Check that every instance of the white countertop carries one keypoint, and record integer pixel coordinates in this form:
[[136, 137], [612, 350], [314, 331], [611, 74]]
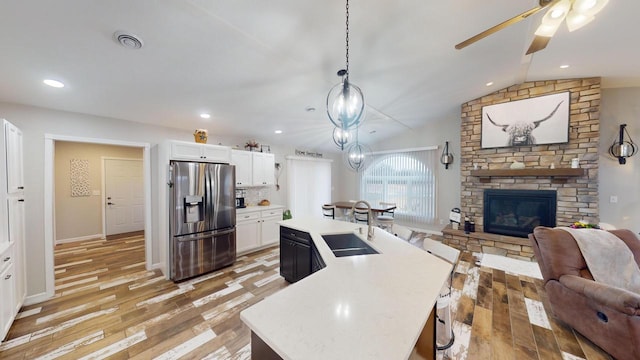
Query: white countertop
[[358, 307], [257, 208]]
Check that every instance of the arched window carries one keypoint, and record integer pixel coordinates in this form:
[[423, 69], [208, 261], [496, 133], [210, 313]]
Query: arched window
[[405, 178]]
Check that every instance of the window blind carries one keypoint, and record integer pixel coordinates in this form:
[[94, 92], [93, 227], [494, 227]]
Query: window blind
[[309, 185], [407, 178]]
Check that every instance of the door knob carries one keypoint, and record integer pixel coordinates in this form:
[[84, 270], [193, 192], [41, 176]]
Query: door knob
[[110, 203]]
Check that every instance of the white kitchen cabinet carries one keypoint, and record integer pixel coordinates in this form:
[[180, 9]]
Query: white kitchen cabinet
[[242, 161], [257, 228], [247, 231], [253, 168], [7, 291], [12, 225], [15, 177], [263, 169], [270, 230], [17, 239], [182, 150]]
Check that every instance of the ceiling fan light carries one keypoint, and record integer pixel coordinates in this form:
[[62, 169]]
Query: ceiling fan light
[[547, 30], [553, 18], [589, 7], [557, 13], [575, 21]]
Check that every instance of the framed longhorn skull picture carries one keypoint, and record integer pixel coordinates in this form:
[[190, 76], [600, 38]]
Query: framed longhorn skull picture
[[534, 121]]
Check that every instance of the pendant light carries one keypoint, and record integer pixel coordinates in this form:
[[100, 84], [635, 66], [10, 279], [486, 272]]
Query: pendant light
[[356, 155], [345, 102], [342, 137]]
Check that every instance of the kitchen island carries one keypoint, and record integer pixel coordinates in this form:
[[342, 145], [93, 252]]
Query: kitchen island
[[371, 306]]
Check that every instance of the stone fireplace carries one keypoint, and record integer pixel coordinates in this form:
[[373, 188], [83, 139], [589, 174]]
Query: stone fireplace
[[482, 169]]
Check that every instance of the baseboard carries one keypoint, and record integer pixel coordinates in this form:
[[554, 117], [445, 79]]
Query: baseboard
[[80, 238], [34, 299]]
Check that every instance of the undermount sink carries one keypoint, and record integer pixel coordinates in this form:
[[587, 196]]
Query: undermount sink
[[348, 244]]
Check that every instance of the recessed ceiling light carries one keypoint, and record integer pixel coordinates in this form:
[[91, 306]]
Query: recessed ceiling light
[[564, 66], [53, 83], [205, 116], [278, 131], [489, 83]]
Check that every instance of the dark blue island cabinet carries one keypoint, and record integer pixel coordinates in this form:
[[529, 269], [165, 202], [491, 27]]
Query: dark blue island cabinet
[[298, 255]]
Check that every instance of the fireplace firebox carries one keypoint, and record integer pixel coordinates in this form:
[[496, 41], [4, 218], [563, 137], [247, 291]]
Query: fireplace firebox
[[517, 212]]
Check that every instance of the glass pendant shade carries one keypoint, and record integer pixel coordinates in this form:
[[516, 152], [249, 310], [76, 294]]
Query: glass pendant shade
[[345, 105], [356, 156], [341, 137]]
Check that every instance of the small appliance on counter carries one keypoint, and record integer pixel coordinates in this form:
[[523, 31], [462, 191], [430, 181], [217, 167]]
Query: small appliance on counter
[[240, 195]]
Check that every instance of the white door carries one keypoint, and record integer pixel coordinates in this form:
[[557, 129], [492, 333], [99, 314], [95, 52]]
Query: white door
[[124, 208]]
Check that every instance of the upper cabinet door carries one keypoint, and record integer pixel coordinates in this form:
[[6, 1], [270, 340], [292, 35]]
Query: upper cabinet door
[[15, 176], [216, 153], [263, 169], [185, 151], [242, 161], [200, 152]]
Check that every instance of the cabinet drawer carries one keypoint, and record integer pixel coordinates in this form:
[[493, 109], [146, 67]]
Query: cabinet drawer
[[295, 235], [274, 212], [6, 257], [247, 216]]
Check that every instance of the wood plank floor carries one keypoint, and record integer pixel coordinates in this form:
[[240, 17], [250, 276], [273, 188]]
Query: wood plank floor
[[108, 306]]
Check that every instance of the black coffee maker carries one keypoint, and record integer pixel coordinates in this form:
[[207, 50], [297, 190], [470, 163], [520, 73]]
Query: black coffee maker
[[240, 193]]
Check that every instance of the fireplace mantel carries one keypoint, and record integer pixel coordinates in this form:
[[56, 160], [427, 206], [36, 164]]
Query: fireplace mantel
[[562, 173]]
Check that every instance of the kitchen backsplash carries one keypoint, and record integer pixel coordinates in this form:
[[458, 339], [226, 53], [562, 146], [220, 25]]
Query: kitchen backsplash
[[256, 194]]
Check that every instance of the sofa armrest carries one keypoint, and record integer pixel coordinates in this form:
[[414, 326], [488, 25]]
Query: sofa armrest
[[618, 299]]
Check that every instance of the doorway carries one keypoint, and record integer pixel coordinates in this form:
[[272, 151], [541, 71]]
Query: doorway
[[124, 196], [50, 201]]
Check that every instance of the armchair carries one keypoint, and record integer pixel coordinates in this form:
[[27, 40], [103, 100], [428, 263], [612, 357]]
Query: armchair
[[606, 315]]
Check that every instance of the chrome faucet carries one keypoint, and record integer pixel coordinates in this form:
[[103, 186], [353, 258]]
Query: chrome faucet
[[370, 217]]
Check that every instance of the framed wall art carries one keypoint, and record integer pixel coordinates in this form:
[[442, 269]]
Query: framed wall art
[[534, 121]]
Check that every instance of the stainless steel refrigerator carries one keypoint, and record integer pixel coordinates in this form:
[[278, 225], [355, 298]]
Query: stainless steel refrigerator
[[202, 218]]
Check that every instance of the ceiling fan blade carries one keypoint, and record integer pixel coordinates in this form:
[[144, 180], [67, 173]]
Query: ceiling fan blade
[[543, 4], [538, 43]]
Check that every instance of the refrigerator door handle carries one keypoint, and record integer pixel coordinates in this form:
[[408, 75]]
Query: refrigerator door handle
[[206, 235]]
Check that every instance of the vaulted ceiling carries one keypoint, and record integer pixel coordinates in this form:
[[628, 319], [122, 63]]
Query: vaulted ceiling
[[256, 66]]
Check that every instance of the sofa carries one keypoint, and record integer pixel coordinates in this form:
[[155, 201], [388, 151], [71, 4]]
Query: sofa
[[606, 315]]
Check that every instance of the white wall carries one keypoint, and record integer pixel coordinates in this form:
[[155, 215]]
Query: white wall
[[619, 106], [81, 217], [36, 122], [434, 134]]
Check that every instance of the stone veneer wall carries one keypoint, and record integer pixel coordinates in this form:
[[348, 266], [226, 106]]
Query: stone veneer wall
[[577, 196]]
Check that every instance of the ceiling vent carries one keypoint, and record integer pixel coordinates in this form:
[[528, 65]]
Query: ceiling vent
[[129, 41]]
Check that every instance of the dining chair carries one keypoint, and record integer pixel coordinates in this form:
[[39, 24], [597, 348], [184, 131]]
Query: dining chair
[[346, 213], [444, 333], [361, 216], [329, 211], [385, 219]]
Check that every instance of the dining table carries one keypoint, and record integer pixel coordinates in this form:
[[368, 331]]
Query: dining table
[[374, 208]]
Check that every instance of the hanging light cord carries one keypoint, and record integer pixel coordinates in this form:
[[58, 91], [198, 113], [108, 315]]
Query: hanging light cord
[[347, 41]]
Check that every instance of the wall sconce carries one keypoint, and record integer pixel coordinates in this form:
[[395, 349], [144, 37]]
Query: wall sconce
[[622, 149], [446, 158]]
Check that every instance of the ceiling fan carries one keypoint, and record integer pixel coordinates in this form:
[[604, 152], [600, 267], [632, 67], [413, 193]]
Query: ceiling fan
[[577, 13]]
